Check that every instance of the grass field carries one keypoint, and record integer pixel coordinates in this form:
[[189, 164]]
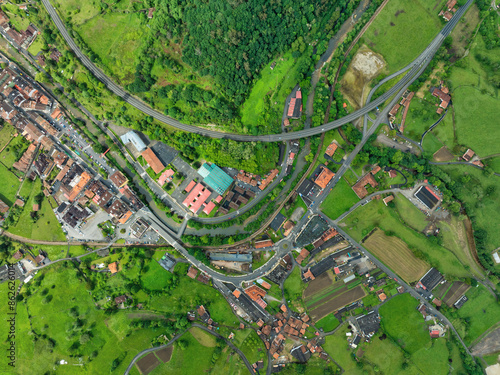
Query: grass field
[[156, 278], [421, 116], [111, 335], [402, 30], [340, 199], [395, 253], [195, 359], [6, 134], [9, 183], [328, 323], [203, 337], [375, 214], [78, 11], [36, 46], [410, 213], [475, 126], [269, 81], [47, 227], [115, 38], [401, 320], [477, 315], [486, 211]]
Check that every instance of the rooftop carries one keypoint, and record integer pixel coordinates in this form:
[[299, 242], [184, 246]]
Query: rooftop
[[152, 160], [215, 177]]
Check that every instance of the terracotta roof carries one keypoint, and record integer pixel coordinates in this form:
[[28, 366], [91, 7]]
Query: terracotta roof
[[263, 243], [125, 217], [118, 179], [359, 187], [237, 294], [388, 199], [375, 170], [153, 161], [330, 150], [192, 272], [324, 177], [113, 267], [254, 292]]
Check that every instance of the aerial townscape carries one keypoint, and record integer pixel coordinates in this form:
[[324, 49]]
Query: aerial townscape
[[250, 187]]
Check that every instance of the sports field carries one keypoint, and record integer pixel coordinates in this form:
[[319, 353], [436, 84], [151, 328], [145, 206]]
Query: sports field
[[402, 30], [395, 253], [340, 199]]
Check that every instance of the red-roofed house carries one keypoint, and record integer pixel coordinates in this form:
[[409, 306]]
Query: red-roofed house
[[166, 177], [190, 186], [153, 161], [209, 207]]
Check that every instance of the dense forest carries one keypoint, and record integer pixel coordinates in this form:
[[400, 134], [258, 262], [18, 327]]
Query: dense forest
[[232, 40]]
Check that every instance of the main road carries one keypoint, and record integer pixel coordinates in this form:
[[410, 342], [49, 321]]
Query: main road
[[116, 89]]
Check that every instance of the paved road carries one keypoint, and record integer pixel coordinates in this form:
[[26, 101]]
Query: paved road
[[113, 87], [391, 274], [176, 337]]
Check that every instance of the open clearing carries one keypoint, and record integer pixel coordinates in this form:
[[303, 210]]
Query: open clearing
[[202, 337], [481, 310], [340, 199], [365, 66], [402, 30], [395, 253], [316, 286], [115, 38], [443, 154], [401, 320]]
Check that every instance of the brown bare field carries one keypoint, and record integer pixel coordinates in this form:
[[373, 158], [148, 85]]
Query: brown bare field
[[455, 292], [147, 364], [328, 298], [318, 284], [165, 354], [441, 289], [333, 305], [395, 253], [443, 154]]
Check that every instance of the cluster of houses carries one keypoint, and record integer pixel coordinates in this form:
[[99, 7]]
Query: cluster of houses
[[72, 186], [470, 156], [405, 103], [443, 94], [25, 265], [294, 109], [449, 9], [23, 38]]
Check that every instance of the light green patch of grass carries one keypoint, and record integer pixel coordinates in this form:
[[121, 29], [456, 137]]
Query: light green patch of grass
[[46, 227], [76, 11], [485, 206], [410, 214], [401, 320], [337, 347], [431, 144], [340, 200], [421, 116], [494, 163], [476, 127], [9, 183], [36, 46], [115, 38], [416, 20], [328, 323], [6, 134], [477, 315], [294, 286], [195, 359], [156, 278]]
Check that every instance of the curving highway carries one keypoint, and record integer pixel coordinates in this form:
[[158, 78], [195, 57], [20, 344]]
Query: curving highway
[[426, 55]]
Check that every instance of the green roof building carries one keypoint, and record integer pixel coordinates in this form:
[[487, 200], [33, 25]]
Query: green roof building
[[215, 177]]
